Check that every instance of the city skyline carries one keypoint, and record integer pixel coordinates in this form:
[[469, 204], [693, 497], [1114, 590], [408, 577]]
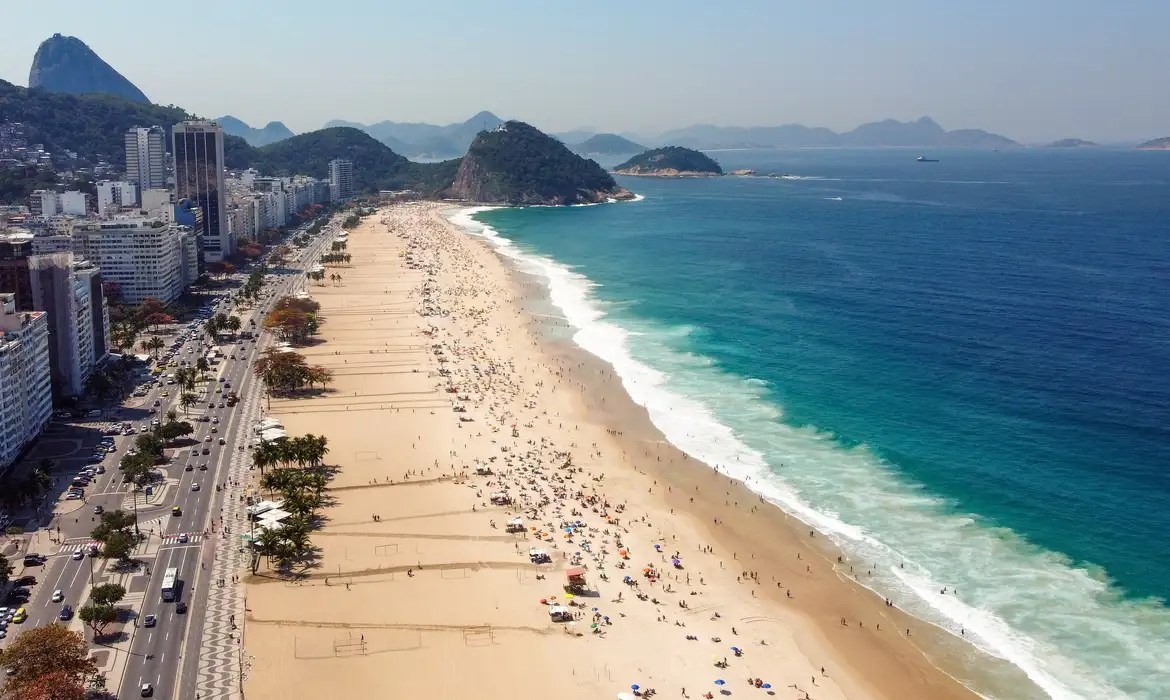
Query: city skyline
[[1033, 72]]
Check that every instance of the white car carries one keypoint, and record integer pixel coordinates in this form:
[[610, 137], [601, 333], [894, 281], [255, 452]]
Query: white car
[[58, 595], [77, 556], [195, 487]]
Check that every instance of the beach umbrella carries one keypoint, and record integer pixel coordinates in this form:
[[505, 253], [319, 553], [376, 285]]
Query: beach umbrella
[[735, 649], [720, 682], [766, 685], [635, 687], [594, 609]]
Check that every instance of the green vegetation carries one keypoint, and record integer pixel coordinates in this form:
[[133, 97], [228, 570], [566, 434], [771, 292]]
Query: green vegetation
[[100, 612], [519, 164], [117, 533], [5, 569], [669, 160], [93, 126], [302, 491], [293, 319], [285, 372]]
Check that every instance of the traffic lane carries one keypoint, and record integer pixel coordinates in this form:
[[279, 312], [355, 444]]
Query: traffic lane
[[48, 577], [155, 651]]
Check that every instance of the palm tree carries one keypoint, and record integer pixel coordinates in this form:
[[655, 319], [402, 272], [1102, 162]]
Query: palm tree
[[203, 366], [267, 543], [233, 324], [172, 415], [145, 345], [156, 344], [187, 401]]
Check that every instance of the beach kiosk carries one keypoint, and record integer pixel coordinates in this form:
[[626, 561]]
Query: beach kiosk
[[515, 525], [575, 579], [559, 613]]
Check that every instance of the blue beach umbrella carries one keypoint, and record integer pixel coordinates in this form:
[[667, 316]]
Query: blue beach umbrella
[[720, 682], [635, 687], [766, 685]]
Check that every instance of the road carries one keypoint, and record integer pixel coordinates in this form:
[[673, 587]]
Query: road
[[167, 652]]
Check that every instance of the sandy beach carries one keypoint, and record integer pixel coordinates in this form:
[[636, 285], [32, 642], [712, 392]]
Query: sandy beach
[[447, 397]]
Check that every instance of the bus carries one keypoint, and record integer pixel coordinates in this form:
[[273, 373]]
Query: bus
[[169, 583]]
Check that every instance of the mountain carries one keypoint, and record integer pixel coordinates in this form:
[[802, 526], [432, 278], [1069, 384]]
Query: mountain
[[375, 166], [1071, 143], [924, 132], [520, 165], [93, 125], [1162, 144], [575, 136], [607, 144], [418, 140], [271, 133], [65, 64], [670, 161]]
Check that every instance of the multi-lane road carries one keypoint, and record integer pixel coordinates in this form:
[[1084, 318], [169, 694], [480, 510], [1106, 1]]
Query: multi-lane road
[[166, 655]]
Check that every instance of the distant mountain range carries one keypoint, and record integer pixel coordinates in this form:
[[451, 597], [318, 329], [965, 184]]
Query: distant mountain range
[[271, 133], [922, 133], [66, 64], [1072, 143], [429, 141], [1162, 144], [606, 145]]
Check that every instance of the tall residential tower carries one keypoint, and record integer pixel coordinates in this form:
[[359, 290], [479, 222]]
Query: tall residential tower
[[199, 180], [340, 180], [146, 154]]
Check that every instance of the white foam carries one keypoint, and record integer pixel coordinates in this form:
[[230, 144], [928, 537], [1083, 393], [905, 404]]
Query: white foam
[[855, 481]]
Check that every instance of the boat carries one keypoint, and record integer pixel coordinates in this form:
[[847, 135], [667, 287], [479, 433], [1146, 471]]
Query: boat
[[924, 159]]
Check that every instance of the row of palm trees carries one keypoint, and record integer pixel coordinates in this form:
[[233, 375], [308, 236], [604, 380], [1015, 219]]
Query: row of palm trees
[[304, 451], [18, 492], [301, 490], [152, 345]]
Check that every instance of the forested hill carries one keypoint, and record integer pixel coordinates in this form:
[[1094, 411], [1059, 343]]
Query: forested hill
[[670, 161]]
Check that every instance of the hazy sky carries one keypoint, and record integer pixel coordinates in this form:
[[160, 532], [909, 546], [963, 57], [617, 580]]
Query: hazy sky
[[1029, 69]]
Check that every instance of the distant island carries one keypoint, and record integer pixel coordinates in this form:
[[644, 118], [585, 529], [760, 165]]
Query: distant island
[[670, 161], [518, 164], [607, 145], [1071, 143], [1162, 144]]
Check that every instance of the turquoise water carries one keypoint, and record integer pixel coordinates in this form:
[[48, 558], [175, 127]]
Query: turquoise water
[[959, 370]]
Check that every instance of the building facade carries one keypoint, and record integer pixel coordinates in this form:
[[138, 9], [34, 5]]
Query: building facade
[[26, 399], [146, 157], [199, 179], [141, 256], [340, 179], [113, 195], [63, 288]]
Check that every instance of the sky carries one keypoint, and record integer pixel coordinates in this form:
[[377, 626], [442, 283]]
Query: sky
[[1031, 70]]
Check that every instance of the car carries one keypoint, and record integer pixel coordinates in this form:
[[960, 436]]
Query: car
[[206, 451], [181, 607], [25, 581], [20, 616], [188, 467], [184, 538], [203, 467], [221, 404], [98, 510], [77, 555], [221, 380], [207, 439], [58, 596], [101, 469], [149, 621], [222, 441], [158, 402], [195, 486], [214, 429], [166, 394], [143, 428], [146, 690], [215, 419], [195, 453], [66, 613], [33, 560]]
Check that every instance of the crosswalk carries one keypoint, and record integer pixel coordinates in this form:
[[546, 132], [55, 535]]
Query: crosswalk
[[178, 538], [76, 545]]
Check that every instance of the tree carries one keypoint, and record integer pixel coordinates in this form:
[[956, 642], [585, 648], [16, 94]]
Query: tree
[[266, 543], [203, 366], [98, 616], [107, 594], [47, 657], [156, 343], [5, 570], [119, 545], [187, 400], [233, 324]]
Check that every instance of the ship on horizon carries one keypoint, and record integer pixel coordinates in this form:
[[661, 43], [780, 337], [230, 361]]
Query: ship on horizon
[[924, 159]]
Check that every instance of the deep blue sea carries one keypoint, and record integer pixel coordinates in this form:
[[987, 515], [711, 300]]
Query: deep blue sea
[[958, 370]]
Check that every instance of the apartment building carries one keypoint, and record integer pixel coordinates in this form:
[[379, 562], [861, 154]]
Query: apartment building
[[146, 153], [142, 256], [340, 179], [26, 400], [112, 196]]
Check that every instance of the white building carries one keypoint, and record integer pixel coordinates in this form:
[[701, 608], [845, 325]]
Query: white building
[[75, 203], [188, 256], [340, 179], [146, 153], [26, 398], [113, 195], [142, 256], [45, 203]]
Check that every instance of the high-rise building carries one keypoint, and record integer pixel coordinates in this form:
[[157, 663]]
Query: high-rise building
[[340, 179], [146, 157], [63, 288], [141, 256], [26, 398], [199, 179]]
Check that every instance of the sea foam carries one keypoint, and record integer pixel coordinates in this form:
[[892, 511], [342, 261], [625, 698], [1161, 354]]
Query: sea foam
[[1060, 624]]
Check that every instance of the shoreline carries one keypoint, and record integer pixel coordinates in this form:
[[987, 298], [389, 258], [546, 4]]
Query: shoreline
[[389, 359]]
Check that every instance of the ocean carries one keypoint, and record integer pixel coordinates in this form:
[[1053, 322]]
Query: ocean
[[960, 371]]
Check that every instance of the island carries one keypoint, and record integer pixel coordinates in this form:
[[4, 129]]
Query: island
[[519, 165], [1072, 143], [670, 161], [1162, 144]]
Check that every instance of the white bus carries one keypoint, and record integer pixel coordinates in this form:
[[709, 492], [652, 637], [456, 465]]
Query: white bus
[[170, 580]]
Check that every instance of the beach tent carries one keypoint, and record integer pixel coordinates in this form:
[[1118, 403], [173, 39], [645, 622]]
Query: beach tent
[[263, 507], [273, 434]]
